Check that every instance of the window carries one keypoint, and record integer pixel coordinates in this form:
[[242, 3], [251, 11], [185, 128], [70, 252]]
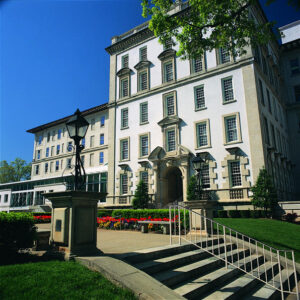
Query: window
[[168, 44], [125, 61], [51, 167], [102, 139], [273, 136], [124, 149], [46, 167], [124, 184], [82, 159], [205, 176], [197, 65], [69, 163], [102, 121], [5, 198], [47, 152], [264, 63], [38, 155], [261, 92], [144, 178], [202, 139], [57, 149], [143, 81], [275, 109], [257, 55], [295, 67], [169, 105], [231, 129], [57, 165], [269, 101], [92, 137], [48, 137], [143, 53], [91, 159], [124, 91], [124, 118], [297, 93], [64, 129], [101, 157], [227, 90], [53, 135], [37, 169], [168, 74], [83, 142], [40, 139], [52, 150], [144, 145], [267, 137], [70, 146], [171, 140], [59, 134], [199, 97], [224, 56], [62, 147], [235, 173], [92, 124], [143, 112]]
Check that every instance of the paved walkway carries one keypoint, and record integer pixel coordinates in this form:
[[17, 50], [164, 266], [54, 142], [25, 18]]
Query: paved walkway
[[118, 241]]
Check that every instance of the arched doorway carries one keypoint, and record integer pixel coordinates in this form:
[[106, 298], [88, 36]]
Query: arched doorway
[[172, 185]]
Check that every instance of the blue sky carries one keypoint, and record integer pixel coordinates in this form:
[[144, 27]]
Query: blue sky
[[52, 60]]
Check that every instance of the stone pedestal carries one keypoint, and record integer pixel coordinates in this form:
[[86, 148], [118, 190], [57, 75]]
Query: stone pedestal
[[74, 222], [200, 225]]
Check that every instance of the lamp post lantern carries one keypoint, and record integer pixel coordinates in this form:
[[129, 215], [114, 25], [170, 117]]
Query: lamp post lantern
[[77, 127], [198, 162]]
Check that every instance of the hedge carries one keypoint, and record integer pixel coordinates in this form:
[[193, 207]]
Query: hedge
[[17, 230], [240, 214], [104, 212]]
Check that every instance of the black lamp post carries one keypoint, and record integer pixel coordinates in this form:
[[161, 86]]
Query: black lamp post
[[198, 162], [77, 127]]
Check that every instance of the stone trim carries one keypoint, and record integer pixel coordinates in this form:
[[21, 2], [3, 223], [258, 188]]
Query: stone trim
[[120, 150], [244, 171], [118, 182], [128, 77], [206, 121], [140, 145], [238, 128], [164, 96], [163, 62]]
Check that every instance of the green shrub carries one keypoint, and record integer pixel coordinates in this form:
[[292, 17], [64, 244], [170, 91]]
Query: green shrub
[[245, 213], [264, 214], [104, 212], [17, 230], [255, 213], [234, 214], [141, 197], [222, 214]]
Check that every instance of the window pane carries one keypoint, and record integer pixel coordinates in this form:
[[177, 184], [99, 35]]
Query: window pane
[[171, 140], [224, 55], [227, 89], [197, 65], [124, 149], [143, 81], [144, 112], [124, 184], [144, 145], [231, 129], [205, 176], [124, 118], [143, 54], [202, 134], [168, 68], [199, 95], [235, 173], [170, 105], [124, 87], [125, 60], [144, 178]]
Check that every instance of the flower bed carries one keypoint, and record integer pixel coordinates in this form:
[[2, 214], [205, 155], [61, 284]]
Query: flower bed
[[42, 219], [109, 222]]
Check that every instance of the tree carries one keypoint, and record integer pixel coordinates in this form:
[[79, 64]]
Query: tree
[[15, 171], [141, 197], [208, 24], [264, 193], [192, 193]]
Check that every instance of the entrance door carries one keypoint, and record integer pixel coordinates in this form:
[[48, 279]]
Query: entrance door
[[172, 188]]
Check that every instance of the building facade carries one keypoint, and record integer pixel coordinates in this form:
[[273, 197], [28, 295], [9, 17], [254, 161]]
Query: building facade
[[239, 113]]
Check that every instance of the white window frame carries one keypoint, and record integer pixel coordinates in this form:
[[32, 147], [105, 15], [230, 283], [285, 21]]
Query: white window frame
[[121, 149], [143, 120], [164, 73], [141, 136], [238, 128], [231, 174], [197, 142], [196, 88], [165, 104], [124, 126], [227, 91]]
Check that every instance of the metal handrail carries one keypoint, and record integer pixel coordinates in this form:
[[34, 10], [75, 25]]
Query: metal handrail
[[278, 258]]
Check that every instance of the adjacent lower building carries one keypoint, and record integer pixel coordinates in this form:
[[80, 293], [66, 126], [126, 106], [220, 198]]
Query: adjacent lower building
[[240, 113]]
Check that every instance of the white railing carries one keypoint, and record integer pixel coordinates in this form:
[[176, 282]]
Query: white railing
[[211, 236]]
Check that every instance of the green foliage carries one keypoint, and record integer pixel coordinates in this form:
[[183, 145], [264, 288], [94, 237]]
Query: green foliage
[[104, 212], [245, 213], [192, 189], [57, 280], [234, 214], [15, 171], [206, 25], [141, 197], [255, 214], [264, 193], [222, 213], [17, 230]]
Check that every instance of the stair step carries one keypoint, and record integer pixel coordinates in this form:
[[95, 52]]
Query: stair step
[[160, 252], [243, 284], [204, 284], [173, 277], [165, 263], [267, 291]]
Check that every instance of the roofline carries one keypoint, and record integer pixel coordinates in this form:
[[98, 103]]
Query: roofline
[[63, 120], [289, 25]]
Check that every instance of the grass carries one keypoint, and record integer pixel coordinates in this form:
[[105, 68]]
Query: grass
[[56, 280], [278, 234]]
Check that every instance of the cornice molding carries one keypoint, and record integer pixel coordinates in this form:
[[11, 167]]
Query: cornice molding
[[142, 64], [124, 71], [166, 54]]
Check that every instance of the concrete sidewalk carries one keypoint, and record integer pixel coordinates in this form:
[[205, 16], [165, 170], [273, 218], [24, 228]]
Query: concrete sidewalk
[[118, 241]]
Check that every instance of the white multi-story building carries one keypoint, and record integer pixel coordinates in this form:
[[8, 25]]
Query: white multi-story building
[[236, 112]]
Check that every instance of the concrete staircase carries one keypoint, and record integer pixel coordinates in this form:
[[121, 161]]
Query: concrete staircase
[[193, 273]]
